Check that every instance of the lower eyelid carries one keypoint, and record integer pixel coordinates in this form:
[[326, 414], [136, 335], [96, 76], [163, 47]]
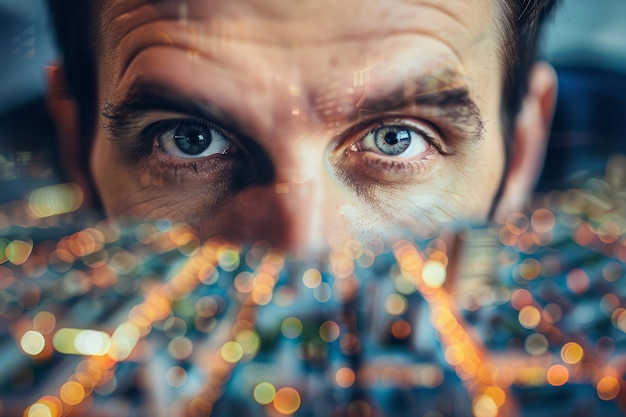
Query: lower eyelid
[[389, 170]]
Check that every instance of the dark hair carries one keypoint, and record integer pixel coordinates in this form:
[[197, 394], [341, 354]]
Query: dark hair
[[78, 38], [522, 21]]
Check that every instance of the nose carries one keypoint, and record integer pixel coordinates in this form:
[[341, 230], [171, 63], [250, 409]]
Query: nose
[[300, 209]]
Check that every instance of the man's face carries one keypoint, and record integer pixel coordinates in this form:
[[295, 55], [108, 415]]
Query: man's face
[[286, 121]]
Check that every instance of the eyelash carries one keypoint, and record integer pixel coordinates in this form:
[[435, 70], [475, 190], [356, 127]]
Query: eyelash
[[153, 131], [380, 163], [364, 128], [381, 166], [165, 165]]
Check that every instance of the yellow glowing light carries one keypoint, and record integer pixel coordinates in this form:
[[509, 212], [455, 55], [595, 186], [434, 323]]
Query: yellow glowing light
[[345, 377], [497, 394], [18, 251], [262, 294], [454, 354], [404, 284], [232, 352], [291, 327], [249, 341], [92, 342], [46, 406], [609, 231], [312, 278], [63, 341], [396, 304], [329, 331], [530, 269], [484, 406], [287, 400], [228, 258], [264, 393], [85, 380], [40, 410], [434, 274], [557, 375], [81, 342], [72, 393], [529, 317], [608, 388], [572, 353], [55, 200], [32, 342], [123, 341]]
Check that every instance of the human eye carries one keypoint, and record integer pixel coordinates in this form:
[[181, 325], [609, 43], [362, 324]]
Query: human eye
[[191, 139], [396, 149], [393, 140]]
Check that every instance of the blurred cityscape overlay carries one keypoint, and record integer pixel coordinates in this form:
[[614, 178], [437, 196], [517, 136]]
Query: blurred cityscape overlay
[[525, 318]]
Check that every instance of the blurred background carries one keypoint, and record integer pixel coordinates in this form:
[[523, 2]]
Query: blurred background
[[585, 41]]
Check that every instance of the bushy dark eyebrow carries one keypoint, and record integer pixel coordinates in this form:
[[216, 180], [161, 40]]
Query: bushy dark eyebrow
[[144, 97], [459, 107], [454, 105]]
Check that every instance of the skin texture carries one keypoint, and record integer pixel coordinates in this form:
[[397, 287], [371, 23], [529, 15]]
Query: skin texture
[[292, 89]]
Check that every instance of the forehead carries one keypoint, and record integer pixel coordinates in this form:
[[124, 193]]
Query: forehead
[[460, 27], [332, 18], [221, 51]]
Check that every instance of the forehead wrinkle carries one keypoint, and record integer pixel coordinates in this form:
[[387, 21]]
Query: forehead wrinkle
[[291, 28], [447, 12], [217, 47]]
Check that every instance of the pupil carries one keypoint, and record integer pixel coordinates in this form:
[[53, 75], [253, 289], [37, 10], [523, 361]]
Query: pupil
[[196, 138], [192, 140], [391, 138]]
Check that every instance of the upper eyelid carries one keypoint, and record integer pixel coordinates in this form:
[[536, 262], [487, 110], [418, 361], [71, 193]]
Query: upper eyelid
[[170, 123], [125, 125], [359, 131], [136, 132]]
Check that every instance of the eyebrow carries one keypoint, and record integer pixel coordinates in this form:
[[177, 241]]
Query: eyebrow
[[453, 104], [125, 118], [146, 96]]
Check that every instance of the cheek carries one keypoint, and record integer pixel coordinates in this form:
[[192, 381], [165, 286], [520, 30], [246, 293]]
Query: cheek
[[144, 190]]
